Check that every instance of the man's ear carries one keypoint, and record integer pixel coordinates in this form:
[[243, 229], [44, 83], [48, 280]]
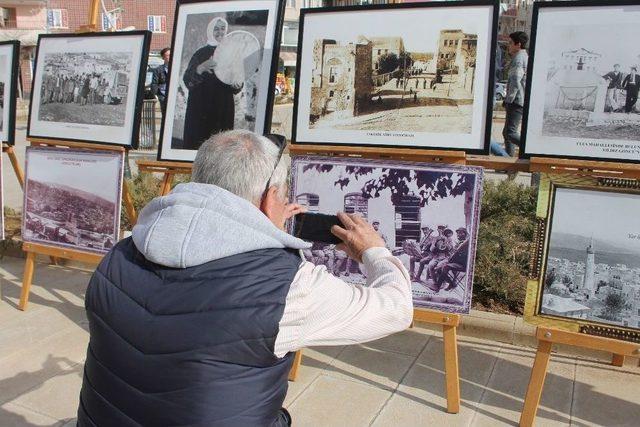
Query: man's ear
[[269, 201]]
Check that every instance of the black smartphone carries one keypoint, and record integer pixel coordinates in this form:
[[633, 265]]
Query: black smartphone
[[315, 227]]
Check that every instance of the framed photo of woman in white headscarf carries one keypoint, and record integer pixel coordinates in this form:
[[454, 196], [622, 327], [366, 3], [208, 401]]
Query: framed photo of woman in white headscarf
[[222, 74]]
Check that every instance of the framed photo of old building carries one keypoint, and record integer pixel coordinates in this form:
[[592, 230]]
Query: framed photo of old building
[[9, 60], [410, 75], [427, 215], [586, 266], [89, 87], [584, 79], [222, 74], [72, 198]]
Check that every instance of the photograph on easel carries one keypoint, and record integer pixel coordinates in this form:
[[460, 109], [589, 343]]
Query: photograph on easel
[[414, 75], [88, 87], [1, 201], [426, 214], [222, 72], [9, 57], [584, 82], [590, 269], [72, 198]]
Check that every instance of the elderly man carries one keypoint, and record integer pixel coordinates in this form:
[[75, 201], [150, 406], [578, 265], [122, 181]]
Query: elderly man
[[194, 320]]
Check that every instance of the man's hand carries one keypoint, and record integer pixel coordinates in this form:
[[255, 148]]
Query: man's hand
[[293, 209], [357, 235]]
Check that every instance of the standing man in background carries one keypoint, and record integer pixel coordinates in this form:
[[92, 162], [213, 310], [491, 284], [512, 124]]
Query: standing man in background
[[159, 80], [516, 82]]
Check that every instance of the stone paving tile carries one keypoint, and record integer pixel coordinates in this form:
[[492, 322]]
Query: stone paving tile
[[377, 368], [410, 342], [314, 362], [38, 362], [604, 395], [420, 398], [334, 402], [57, 397], [502, 400], [12, 415]]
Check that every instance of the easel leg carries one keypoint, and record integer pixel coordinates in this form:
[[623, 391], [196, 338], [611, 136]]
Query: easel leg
[[293, 373], [534, 390], [167, 180], [617, 360], [452, 374], [29, 266], [128, 204], [16, 165]]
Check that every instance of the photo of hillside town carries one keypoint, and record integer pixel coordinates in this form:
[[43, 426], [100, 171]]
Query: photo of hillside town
[[408, 82], [72, 199], [593, 264]]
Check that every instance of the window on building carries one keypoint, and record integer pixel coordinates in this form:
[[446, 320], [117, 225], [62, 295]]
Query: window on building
[[379, 51], [330, 94], [333, 74], [157, 23], [111, 22], [57, 18], [348, 97]]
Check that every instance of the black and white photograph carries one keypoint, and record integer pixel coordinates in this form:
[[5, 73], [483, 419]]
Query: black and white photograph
[[426, 214], [9, 56], [1, 201], [413, 75], [72, 198], [585, 82], [87, 87], [221, 74], [593, 261]]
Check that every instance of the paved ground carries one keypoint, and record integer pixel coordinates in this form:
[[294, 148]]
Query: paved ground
[[396, 381]]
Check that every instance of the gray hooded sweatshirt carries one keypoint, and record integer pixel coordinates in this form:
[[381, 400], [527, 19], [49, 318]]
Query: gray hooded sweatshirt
[[197, 223]]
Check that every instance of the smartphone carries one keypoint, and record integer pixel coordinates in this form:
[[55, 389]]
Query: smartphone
[[315, 227]]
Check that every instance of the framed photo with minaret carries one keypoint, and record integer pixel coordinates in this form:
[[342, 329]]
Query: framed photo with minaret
[[585, 269]]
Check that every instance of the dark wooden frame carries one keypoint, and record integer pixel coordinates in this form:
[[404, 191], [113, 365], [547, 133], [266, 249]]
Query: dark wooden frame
[[142, 72], [279, 20], [10, 92], [532, 45], [400, 6]]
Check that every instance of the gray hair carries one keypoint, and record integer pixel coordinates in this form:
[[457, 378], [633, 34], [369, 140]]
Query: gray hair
[[241, 162]]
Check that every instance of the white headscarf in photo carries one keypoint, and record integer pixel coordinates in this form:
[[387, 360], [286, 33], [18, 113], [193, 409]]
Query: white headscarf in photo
[[211, 40]]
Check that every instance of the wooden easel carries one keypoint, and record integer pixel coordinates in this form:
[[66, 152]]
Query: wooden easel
[[14, 163], [546, 338], [449, 322], [33, 249], [168, 169]]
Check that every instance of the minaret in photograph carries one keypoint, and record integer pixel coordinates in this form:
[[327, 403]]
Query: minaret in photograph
[[590, 271]]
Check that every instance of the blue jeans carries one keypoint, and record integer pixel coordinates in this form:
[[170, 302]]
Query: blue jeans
[[497, 150], [512, 125]]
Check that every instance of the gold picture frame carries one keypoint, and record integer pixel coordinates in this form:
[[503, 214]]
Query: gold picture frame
[[549, 183]]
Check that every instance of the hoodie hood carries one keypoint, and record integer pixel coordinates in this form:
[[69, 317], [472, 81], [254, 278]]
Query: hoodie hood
[[197, 223]]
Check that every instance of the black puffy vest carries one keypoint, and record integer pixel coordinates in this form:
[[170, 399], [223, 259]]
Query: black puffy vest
[[189, 346]]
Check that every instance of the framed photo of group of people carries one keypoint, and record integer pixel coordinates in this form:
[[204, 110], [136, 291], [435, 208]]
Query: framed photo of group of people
[[89, 87], [584, 78], [427, 215]]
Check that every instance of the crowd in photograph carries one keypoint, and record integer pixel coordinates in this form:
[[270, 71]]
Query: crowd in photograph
[[81, 88], [442, 256]]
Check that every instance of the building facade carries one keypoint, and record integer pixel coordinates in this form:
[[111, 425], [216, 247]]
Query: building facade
[[341, 79]]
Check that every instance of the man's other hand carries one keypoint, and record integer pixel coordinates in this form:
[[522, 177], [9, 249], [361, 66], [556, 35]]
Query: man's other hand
[[357, 235]]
